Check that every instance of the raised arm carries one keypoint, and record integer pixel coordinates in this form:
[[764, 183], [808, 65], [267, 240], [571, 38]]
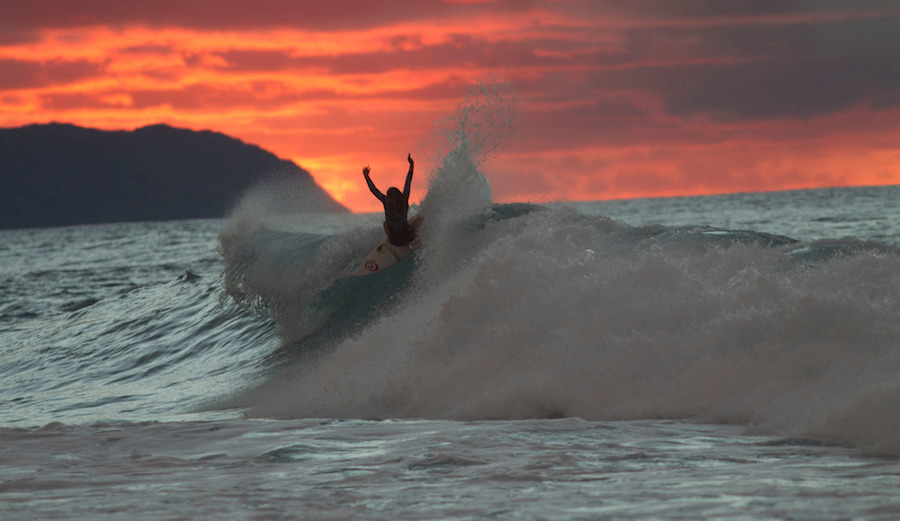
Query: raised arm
[[408, 177], [381, 197]]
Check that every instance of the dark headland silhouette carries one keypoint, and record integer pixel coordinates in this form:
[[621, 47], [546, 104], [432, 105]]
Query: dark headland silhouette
[[60, 174]]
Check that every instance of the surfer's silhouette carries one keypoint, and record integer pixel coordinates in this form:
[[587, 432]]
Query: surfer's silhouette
[[399, 230]]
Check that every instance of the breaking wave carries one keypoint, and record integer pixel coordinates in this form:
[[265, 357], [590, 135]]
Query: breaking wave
[[521, 311]]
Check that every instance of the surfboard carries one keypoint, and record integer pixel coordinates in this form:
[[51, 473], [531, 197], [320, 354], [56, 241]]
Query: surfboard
[[386, 254]]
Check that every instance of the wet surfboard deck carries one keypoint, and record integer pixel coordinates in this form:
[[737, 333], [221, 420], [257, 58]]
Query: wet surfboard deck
[[386, 254]]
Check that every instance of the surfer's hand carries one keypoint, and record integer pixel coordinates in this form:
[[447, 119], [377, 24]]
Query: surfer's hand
[[409, 158], [366, 170]]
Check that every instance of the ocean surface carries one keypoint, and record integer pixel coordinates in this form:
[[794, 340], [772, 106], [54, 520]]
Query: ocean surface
[[721, 357]]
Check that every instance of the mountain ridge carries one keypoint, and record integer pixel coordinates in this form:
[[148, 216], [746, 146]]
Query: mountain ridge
[[59, 174]]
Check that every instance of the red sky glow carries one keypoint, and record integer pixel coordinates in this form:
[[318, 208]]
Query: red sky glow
[[615, 99]]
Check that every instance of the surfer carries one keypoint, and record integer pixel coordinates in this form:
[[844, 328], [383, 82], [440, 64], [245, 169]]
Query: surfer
[[396, 206]]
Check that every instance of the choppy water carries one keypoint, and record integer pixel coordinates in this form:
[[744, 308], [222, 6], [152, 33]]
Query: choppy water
[[429, 469], [544, 363]]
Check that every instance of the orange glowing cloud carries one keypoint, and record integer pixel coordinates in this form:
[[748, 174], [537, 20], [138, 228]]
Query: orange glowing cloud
[[616, 99]]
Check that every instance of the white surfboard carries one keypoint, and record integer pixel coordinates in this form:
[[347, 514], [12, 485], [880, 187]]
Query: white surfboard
[[386, 254]]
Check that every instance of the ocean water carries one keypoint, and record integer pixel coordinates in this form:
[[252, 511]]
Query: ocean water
[[722, 357]]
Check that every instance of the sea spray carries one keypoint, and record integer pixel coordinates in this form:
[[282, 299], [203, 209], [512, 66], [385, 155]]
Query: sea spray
[[563, 314], [273, 270], [461, 144], [458, 191], [522, 311]]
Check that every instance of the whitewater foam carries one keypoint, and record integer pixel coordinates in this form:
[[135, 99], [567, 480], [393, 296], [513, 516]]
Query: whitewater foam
[[551, 313], [524, 311]]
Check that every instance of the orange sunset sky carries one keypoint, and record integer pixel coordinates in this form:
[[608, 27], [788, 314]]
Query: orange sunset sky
[[615, 99]]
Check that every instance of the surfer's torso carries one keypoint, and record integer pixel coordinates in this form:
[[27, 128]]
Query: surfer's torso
[[397, 226]]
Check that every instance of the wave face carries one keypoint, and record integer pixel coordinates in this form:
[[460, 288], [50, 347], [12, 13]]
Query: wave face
[[521, 311], [105, 323]]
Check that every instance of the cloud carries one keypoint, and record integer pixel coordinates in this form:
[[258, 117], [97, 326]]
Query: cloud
[[774, 88], [693, 10], [237, 14], [763, 71], [22, 74], [786, 88], [458, 51]]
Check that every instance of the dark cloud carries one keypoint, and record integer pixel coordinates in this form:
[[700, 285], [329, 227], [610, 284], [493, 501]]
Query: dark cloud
[[871, 35], [254, 95], [148, 49], [190, 98], [15, 36], [707, 9], [234, 14], [460, 51], [802, 88], [66, 101], [205, 97], [21, 74], [607, 122], [764, 71]]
